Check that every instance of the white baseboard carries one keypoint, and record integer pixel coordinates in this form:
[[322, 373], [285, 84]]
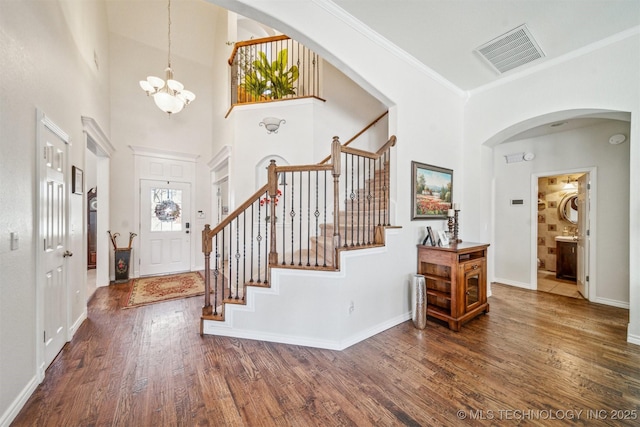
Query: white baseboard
[[631, 338], [376, 329], [212, 327], [611, 302], [513, 283], [77, 323], [16, 406]]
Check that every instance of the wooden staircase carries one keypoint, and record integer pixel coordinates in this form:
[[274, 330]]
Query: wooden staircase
[[357, 222]]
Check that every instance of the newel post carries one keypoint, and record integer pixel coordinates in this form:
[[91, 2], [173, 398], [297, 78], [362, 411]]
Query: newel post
[[206, 248], [272, 189], [336, 150]]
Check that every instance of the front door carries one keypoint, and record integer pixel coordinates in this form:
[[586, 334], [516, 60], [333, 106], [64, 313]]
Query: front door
[[53, 165], [583, 236], [165, 239]]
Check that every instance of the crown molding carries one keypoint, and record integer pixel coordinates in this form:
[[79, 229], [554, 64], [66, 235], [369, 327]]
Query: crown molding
[[341, 14], [162, 154]]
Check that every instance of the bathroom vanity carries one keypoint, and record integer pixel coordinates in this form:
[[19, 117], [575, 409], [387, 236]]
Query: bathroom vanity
[[566, 257]]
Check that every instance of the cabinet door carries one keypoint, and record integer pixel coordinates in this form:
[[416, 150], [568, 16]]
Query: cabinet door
[[473, 284]]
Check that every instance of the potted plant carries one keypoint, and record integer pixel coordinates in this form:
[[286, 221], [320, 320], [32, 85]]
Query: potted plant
[[270, 80]]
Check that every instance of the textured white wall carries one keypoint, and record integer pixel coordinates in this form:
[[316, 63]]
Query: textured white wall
[[49, 49]]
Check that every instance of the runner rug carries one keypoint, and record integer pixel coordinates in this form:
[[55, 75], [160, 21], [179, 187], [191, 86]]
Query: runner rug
[[149, 290]]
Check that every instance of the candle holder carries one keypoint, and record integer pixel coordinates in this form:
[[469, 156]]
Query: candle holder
[[450, 226], [456, 226]]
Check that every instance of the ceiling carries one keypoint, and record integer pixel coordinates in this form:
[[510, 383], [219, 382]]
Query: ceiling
[[443, 34]]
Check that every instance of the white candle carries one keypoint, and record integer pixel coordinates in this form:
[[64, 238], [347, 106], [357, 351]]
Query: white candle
[[450, 213], [456, 207]]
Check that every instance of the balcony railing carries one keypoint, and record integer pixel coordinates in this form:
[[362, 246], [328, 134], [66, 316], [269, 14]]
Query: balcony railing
[[273, 68]]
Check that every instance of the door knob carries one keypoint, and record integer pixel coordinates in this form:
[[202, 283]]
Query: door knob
[[66, 254]]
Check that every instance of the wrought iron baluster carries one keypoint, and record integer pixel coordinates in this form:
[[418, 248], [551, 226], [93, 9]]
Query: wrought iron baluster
[[284, 209], [377, 193], [359, 189], [216, 272], [386, 189], [266, 241], [300, 224], [237, 257], [251, 237], [352, 196], [346, 204], [222, 263], [324, 257], [369, 212], [308, 218], [316, 214], [259, 239], [244, 251], [292, 213]]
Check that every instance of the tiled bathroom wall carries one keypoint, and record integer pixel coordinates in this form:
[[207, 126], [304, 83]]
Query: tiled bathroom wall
[[550, 225]]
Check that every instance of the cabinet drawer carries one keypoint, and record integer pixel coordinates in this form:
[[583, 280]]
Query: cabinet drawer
[[476, 264]]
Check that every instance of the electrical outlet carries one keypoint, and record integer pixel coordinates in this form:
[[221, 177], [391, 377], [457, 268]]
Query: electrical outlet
[[200, 215]]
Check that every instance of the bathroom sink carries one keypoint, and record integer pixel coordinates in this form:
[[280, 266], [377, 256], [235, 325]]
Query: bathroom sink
[[566, 238]]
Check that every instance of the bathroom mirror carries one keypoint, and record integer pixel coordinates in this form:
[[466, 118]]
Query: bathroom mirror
[[568, 208]]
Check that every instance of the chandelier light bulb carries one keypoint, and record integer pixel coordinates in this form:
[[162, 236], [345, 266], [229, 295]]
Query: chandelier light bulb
[[169, 96]]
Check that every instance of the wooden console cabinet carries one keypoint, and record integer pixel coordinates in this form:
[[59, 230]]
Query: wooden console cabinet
[[456, 281]]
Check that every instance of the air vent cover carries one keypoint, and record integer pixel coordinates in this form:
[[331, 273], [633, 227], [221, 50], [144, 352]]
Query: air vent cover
[[512, 49]]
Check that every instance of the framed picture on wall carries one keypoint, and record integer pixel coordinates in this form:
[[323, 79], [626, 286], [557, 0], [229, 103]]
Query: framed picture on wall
[[431, 191], [77, 180]]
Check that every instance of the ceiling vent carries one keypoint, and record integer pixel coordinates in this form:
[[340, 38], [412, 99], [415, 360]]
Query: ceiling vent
[[512, 49]]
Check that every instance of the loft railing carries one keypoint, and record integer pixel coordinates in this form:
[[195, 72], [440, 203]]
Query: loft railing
[[273, 68], [301, 218]]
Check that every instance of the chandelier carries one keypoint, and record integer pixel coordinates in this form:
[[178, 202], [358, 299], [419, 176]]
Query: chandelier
[[170, 95]]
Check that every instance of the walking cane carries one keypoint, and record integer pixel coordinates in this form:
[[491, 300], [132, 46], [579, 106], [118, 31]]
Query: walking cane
[[131, 236], [113, 239]]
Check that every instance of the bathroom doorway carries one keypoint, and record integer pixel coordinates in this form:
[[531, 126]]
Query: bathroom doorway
[[563, 232]]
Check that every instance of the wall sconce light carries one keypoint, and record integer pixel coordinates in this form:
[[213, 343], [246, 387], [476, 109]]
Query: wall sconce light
[[272, 124]]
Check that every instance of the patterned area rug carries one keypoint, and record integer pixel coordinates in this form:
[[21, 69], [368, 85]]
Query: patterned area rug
[[149, 290]]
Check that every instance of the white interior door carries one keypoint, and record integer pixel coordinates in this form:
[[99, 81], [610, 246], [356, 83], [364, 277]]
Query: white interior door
[[583, 235], [53, 232], [165, 227]]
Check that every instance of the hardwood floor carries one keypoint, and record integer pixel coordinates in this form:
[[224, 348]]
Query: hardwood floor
[[534, 358]]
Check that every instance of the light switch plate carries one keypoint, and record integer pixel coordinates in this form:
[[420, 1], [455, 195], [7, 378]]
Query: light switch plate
[[14, 241]]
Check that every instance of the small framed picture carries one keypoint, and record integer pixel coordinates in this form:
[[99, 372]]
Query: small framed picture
[[77, 180], [444, 240], [431, 235]]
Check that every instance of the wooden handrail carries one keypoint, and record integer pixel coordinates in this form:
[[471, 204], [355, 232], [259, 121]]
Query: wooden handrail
[[365, 128], [390, 143], [251, 42], [303, 168], [353, 138], [375, 156]]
